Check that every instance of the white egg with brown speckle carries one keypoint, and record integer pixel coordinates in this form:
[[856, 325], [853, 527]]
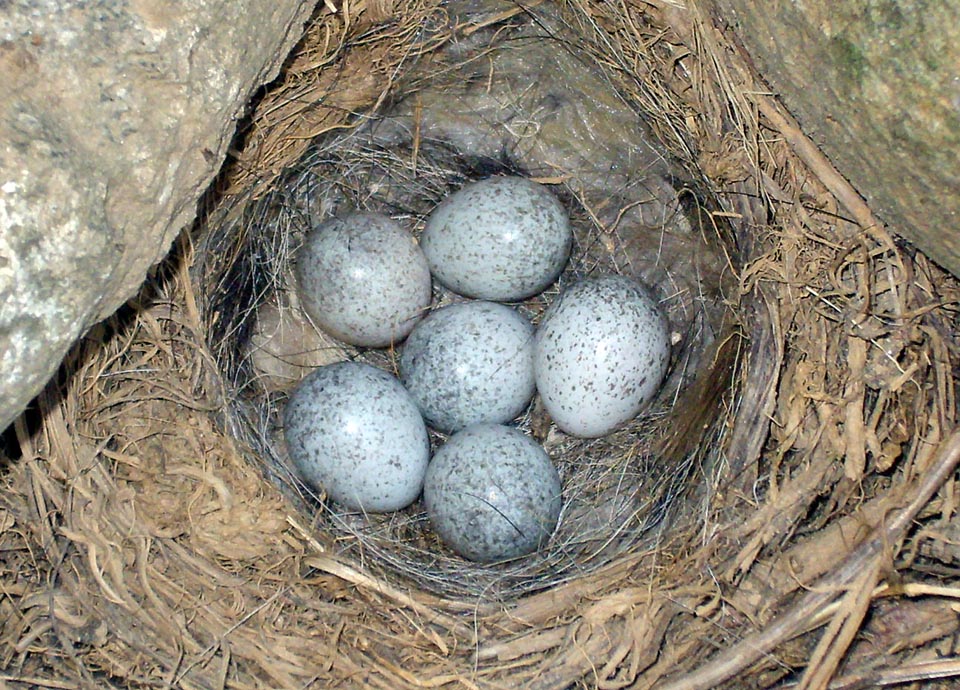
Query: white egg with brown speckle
[[363, 279], [502, 239], [492, 493], [355, 433], [602, 351], [469, 362]]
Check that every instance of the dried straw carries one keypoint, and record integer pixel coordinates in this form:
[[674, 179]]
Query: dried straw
[[140, 546]]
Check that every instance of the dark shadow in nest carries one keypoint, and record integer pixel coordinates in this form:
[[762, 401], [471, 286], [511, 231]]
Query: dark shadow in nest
[[619, 491]]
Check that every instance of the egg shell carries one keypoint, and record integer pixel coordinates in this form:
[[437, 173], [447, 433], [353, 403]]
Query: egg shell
[[492, 493], [602, 351], [363, 279], [469, 362], [354, 432], [502, 239]]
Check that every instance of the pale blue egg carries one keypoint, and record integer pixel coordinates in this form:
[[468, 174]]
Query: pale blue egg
[[602, 351], [502, 239], [469, 362], [492, 493], [363, 279], [355, 433]]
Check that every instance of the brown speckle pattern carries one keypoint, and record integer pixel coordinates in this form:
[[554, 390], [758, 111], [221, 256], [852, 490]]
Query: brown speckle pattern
[[354, 432], [502, 239], [469, 362], [602, 350], [492, 493], [364, 279]]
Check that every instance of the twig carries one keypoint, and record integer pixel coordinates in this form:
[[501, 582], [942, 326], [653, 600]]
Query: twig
[[748, 651], [36, 682], [911, 673], [818, 163], [836, 640], [345, 572]]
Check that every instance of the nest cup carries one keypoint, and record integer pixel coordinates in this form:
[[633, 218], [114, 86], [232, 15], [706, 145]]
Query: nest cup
[[154, 531], [635, 210]]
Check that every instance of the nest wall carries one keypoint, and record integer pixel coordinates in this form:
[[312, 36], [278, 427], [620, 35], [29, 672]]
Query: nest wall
[[143, 545]]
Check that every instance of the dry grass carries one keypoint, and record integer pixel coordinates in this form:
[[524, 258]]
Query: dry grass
[[140, 546]]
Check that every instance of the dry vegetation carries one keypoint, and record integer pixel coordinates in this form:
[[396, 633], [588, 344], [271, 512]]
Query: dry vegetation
[[141, 546]]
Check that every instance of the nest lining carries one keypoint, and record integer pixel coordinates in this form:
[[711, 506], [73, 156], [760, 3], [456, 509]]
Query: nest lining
[[616, 488], [141, 546]]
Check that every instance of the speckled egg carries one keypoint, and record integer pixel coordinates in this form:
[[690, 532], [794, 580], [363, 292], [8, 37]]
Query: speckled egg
[[602, 351], [492, 493], [469, 362], [354, 432], [502, 239], [363, 279]]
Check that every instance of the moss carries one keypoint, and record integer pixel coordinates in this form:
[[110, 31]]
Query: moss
[[887, 17], [849, 58]]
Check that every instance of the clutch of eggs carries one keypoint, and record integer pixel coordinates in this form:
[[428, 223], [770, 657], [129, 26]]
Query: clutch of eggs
[[491, 492]]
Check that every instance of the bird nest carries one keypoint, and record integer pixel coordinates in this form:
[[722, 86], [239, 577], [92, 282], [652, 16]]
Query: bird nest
[[781, 514]]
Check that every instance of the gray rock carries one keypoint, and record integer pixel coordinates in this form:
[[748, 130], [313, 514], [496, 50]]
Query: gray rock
[[875, 84], [115, 118]]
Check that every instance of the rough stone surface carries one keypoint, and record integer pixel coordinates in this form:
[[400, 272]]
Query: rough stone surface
[[115, 118], [876, 85]]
